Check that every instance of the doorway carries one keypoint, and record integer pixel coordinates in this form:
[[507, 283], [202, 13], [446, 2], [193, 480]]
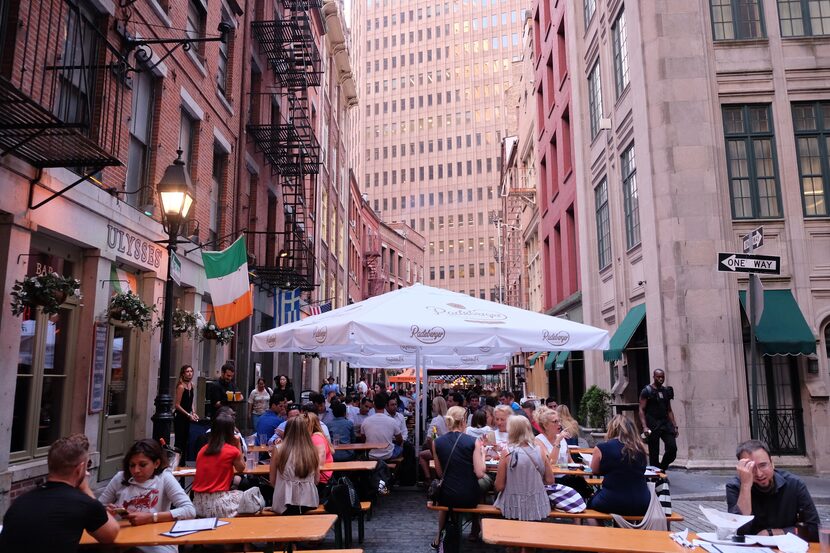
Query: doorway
[[780, 416], [116, 427]]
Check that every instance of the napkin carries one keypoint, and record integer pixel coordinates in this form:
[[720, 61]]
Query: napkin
[[791, 544], [726, 523]]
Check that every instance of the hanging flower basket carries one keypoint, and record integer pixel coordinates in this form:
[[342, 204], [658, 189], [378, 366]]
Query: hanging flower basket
[[212, 332], [185, 322], [128, 308], [48, 291]]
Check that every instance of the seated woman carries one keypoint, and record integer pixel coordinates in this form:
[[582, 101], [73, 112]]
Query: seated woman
[[622, 459], [568, 423], [500, 416], [295, 470], [479, 425], [553, 439], [147, 491], [522, 475], [216, 464], [459, 460], [321, 444], [437, 428]]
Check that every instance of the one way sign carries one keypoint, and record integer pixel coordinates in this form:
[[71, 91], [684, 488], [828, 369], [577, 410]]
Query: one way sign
[[746, 263]]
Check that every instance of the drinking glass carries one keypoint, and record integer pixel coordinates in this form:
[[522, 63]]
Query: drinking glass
[[824, 536]]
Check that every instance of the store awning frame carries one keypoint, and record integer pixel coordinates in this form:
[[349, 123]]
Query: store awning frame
[[534, 358], [783, 330], [625, 331]]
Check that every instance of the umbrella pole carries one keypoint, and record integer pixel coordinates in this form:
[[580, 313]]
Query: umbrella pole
[[417, 409]]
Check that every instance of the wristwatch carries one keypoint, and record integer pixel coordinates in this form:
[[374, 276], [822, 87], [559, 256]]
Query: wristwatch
[[769, 531], [155, 517]]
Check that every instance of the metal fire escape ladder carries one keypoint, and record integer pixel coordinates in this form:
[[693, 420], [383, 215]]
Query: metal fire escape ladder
[[517, 199]]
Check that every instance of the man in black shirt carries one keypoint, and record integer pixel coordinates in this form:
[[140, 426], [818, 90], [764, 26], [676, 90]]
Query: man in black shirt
[[776, 498], [658, 421], [52, 517], [217, 390]]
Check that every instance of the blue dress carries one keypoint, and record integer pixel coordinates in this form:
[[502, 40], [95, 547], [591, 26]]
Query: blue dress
[[460, 485], [624, 489]]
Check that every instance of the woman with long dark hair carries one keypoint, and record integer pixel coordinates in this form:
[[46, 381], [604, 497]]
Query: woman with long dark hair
[[144, 492], [622, 459], [283, 385], [216, 464], [184, 413]]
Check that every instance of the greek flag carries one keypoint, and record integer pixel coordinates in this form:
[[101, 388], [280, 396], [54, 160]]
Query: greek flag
[[287, 306]]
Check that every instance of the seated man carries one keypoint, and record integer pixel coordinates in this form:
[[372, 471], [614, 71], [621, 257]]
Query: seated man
[[382, 429], [52, 517], [270, 419], [364, 412], [292, 411], [342, 431], [774, 497]]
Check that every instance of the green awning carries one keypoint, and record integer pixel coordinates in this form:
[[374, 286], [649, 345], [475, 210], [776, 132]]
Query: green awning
[[625, 331], [549, 361], [783, 330], [534, 358], [561, 359]]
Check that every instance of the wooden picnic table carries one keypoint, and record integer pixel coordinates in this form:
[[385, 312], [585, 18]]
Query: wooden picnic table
[[269, 530], [358, 447], [264, 469]]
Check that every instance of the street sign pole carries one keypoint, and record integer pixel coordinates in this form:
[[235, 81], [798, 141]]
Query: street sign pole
[[752, 296]]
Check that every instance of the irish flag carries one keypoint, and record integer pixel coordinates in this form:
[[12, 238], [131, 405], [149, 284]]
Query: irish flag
[[227, 274]]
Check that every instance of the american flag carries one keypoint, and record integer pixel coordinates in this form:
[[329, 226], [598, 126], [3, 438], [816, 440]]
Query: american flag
[[318, 308]]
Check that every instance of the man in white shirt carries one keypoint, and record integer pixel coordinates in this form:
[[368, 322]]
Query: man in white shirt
[[381, 429], [364, 412], [392, 411]]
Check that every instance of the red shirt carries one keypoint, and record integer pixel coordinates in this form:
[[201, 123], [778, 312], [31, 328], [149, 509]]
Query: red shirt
[[214, 473]]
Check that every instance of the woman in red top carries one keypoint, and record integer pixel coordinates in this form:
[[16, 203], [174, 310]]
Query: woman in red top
[[216, 464], [321, 443]]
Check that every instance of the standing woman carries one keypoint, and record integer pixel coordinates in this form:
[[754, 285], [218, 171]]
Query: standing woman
[[258, 401], [522, 475], [295, 471], [216, 464], [147, 491], [184, 414], [284, 386]]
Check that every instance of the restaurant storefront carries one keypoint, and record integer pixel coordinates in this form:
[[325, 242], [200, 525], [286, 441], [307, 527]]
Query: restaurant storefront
[[77, 370]]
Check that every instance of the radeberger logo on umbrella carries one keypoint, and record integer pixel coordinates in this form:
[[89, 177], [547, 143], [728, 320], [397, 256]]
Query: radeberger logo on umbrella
[[558, 338], [320, 334], [409, 349], [428, 335], [271, 341], [469, 359], [469, 315], [395, 358]]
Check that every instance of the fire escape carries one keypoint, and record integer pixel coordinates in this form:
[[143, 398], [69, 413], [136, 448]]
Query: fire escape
[[288, 141], [514, 265], [61, 89], [376, 274]]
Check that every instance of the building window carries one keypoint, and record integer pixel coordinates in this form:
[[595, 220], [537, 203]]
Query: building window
[[222, 71], [603, 225], [187, 134], [590, 8], [737, 19], [141, 128], [620, 54], [220, 163], [45, 363], [804, 17], [594, 99], [196, 20], [750, 155], [812, 133], [631, 199]]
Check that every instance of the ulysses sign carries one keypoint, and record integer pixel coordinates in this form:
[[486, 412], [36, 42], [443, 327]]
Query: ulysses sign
[[138, 249]]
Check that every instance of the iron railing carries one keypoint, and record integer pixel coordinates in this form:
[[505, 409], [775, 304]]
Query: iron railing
[[782, 430], [290, 265], [62, 86]]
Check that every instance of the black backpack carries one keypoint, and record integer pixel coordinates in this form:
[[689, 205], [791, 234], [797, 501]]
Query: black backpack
[[341, 497]]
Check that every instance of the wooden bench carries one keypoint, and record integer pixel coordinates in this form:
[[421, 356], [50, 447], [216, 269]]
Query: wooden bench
[[341, 527], [491, 510], [323, 551]]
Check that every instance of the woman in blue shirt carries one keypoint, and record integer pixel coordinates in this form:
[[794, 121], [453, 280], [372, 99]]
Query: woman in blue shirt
[[622, 459]]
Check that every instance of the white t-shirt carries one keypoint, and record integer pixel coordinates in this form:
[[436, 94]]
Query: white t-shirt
[[440, 424], [501, 437], [380, 430], [363, 388], [478, 432], [562, 459]]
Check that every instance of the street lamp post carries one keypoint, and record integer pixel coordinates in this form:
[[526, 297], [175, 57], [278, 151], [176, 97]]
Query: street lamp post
[[176, 198]]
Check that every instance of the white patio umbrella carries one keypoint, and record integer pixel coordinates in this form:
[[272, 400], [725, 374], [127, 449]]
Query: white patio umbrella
[[424, 321]]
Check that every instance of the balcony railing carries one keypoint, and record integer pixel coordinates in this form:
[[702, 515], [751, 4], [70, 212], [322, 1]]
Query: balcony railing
[[291, 149], [288, 265], [289, 46], [62, 86]]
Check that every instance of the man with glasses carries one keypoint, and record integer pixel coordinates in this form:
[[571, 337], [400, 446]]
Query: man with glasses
[[776, 498], [52, 517]]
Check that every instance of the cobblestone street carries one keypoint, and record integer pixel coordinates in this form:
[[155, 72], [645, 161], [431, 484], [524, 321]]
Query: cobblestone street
[[402, 523]]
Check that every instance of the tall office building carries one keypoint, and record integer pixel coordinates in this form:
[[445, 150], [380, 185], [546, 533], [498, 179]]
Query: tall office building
[[432, 78]]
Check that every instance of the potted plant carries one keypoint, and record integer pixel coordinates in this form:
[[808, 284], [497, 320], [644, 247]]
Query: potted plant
[[185, 322], [47, 291], [594, 408], [128, 308], [212, 332]]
